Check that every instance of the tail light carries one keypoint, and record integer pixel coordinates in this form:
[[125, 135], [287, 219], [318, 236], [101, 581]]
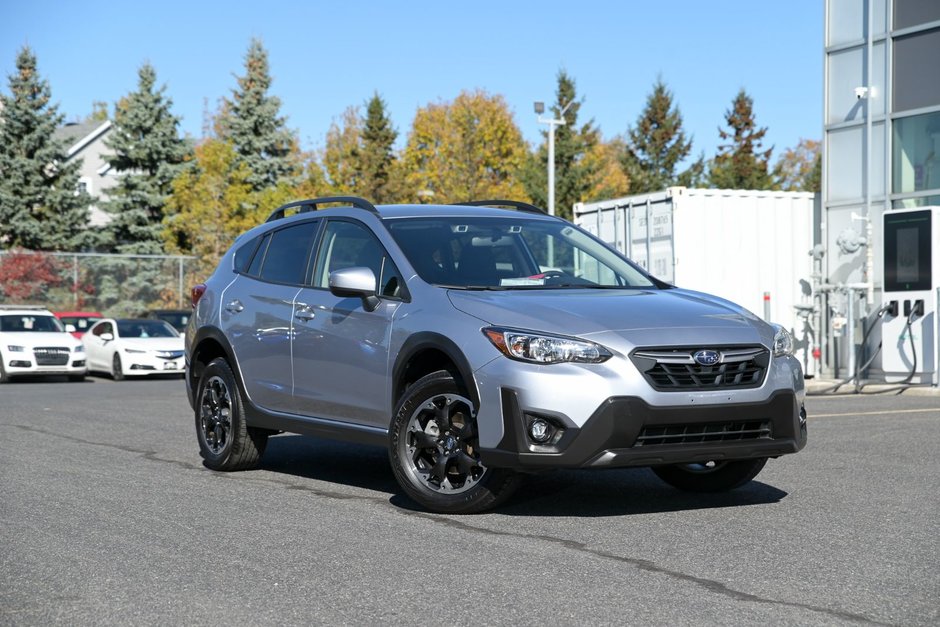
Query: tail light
[[197, 292]]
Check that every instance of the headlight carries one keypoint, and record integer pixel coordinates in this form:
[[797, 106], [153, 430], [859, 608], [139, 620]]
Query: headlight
[[15, 349], [133, 350], [783, 341], [79, 349], [544, 349]]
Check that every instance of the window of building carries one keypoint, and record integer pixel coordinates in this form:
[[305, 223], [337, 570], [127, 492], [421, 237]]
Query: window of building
[[914, 12], [916, 71], [916, 159], [920, 201]]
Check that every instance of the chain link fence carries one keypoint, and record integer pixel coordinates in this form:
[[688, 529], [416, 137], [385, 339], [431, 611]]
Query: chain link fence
[[113, 284]]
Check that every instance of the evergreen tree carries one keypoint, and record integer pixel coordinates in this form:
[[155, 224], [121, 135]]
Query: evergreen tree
[[148, 155], [574, 173], [41, 205], [251, 122], [374, 158], [211, 205], [657, 144], [741, 164]]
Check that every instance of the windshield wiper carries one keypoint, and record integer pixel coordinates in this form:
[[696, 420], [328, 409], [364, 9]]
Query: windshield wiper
[[478, 288]]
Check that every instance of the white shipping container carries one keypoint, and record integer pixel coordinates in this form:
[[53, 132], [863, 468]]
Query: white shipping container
[[736, 244]]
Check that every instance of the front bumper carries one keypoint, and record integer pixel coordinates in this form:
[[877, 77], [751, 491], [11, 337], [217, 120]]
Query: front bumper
[[142, 364], [611, 436], [16, 364]]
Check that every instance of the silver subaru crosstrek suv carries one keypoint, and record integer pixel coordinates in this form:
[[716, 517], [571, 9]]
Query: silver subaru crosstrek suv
[[479, 342]]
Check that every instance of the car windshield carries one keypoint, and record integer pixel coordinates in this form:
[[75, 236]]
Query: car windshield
[[81, 323], [145, 328], [177, 319], [511, 253], [26, 323]]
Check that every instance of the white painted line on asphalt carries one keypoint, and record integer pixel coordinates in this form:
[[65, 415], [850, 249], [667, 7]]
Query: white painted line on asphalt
[[886, 412]]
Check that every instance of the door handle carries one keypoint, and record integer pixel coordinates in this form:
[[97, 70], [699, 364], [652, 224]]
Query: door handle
[[304, 313], [235, 306]]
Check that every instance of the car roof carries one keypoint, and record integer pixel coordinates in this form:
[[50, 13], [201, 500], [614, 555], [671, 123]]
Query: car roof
[[392, 212], [24, 309], [147, 320]]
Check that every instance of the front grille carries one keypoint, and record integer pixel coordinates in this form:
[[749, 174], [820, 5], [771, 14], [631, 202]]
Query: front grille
[[51, 355], [699, 433], [675, 370], [169, 354]]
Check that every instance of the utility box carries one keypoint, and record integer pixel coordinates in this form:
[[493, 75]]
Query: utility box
[[749, 247], [911, 263]]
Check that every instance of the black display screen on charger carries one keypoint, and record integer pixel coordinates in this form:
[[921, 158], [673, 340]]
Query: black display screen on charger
[[907, 261]]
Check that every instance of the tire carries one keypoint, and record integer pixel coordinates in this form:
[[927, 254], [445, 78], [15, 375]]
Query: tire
[[117, 369], [433, 450], [4, 378], [76, 378], [710, 477], [226, 442]]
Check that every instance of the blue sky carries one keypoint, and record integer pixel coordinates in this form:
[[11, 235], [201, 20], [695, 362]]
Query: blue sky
[[326, 56]]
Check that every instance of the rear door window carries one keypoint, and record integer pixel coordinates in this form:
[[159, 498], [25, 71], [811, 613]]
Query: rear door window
[[288, 253]]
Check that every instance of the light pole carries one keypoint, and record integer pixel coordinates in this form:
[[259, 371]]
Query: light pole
[[552, 123]]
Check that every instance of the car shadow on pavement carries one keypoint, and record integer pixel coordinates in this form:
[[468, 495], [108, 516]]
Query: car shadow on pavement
[[327, 460], [581, 493], [622, 492]]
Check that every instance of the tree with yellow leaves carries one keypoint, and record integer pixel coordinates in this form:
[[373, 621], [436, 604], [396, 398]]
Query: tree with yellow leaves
[[213, 203], [463, 150]]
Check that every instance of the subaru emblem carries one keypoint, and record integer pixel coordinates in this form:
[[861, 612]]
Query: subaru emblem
[[707, 357]]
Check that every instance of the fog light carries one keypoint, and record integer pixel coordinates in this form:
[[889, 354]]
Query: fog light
[[541, 430], [20, 364]]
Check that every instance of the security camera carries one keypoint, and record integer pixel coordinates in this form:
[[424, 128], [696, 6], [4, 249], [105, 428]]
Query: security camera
[[861, 92]]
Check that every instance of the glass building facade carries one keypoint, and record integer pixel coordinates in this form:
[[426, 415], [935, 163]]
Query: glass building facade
[[881, 148]]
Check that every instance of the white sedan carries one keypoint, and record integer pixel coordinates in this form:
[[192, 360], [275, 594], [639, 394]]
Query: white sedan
[[133, 347], [34, 342]]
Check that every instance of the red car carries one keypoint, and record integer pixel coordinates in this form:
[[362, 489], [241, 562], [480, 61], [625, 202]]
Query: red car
[[77, 322]]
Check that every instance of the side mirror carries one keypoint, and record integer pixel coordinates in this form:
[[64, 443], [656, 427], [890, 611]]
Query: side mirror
[[70, 328], [107, 337], [355, 282]]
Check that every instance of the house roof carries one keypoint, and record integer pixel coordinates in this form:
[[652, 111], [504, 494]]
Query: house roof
[[77, 135]]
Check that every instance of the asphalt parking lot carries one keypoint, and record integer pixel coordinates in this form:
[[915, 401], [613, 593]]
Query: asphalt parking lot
[[108, 517]]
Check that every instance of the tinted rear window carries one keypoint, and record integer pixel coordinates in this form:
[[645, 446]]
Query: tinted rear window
[[288, 253]]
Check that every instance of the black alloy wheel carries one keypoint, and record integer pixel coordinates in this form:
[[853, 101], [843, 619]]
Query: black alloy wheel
[[226, 442], [434, 450]]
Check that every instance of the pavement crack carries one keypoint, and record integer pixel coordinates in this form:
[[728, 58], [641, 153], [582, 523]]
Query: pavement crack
[[148, 455], [711, 585]]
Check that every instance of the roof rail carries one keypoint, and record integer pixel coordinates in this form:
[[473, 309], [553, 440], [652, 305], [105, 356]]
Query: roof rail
[[515, 204], [303, 206]]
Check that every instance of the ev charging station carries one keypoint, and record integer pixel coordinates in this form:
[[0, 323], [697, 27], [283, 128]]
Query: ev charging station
[[911, 298]]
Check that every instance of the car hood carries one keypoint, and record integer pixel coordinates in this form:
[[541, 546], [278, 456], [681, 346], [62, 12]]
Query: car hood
[[639, 317], [154, 343], [31, 339]]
